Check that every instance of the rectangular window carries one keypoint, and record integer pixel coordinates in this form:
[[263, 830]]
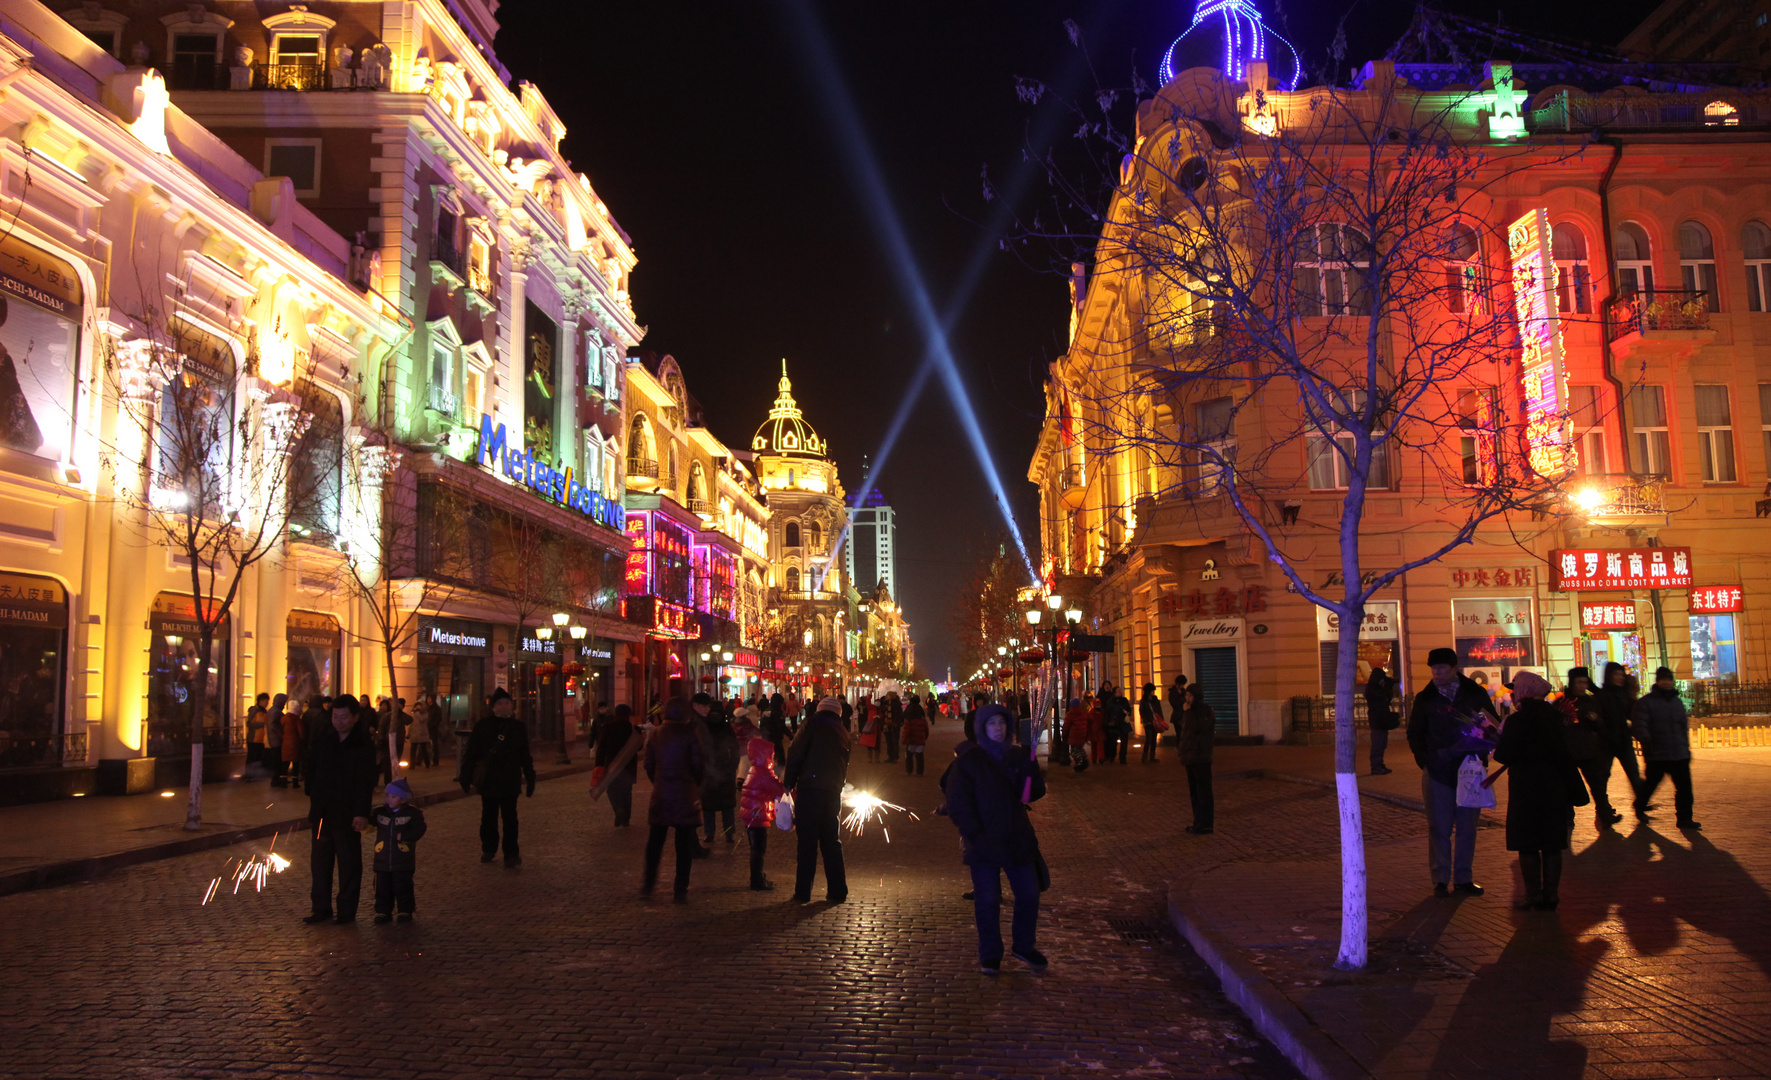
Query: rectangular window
[[1715, 434], [1650, 442], [1589, 433], [473, 400], [1494, 633], [1329, 468], [1214, 424], [1765, 419], [1476, 420], [196, 62], [1758, 285], [104, 39], [299, 160], [1574, 290], [441, 396], [479, 265], [1715, 652]]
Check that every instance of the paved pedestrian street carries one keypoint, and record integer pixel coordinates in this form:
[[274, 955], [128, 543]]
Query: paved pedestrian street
[[559, 969]]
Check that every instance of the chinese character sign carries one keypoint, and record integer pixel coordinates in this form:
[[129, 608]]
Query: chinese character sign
[[1622, 568], [1717, 600], [1603, 616], [1223, 600], [1548, 433]]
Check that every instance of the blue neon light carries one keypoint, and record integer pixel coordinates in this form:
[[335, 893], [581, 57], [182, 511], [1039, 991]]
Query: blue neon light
[[1245, 41]]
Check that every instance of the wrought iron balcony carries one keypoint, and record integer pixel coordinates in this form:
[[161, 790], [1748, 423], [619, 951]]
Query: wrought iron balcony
[[1072, 484], [701, 506], [646, 467], [1658, 309], [443, 400], [1615, 495]]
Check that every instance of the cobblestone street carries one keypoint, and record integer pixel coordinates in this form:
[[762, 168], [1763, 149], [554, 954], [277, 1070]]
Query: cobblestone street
[[558, 969]]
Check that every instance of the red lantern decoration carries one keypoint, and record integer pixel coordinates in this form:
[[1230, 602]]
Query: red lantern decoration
[[549, 668]]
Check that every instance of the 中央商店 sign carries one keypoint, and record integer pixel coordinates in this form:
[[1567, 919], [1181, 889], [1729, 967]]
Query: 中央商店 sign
[[1621, 568]]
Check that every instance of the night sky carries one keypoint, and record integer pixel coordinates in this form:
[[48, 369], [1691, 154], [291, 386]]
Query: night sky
[[700, 125]]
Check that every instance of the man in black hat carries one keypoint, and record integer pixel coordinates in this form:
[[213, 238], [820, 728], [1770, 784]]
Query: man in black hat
[[497, 764], [340, 773], [1436, 723]]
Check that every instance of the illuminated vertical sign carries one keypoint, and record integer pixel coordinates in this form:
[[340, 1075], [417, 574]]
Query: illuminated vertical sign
[[1549, 435]]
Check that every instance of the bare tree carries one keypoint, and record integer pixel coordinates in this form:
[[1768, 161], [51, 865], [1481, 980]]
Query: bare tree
[[985, 614], [205, 459], [1318, 297]]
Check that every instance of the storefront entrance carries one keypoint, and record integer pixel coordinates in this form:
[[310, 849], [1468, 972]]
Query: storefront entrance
[[452, 657], [173, 680], [1215, 673], [33, 670]]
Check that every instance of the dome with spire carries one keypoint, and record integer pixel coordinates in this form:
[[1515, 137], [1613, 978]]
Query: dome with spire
[[786, 432]]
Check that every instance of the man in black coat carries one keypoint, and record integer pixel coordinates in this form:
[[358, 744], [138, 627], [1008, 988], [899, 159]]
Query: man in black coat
[[1442, 712], [817, 767], [612, 734], [340, 772], [987, 796], [497, 764]]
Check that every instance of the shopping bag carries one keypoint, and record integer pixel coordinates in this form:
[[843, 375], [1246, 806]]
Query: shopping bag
[[784, 813], [1470, 790]]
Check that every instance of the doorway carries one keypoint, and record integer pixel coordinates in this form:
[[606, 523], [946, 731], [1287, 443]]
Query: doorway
[[1214, 670]]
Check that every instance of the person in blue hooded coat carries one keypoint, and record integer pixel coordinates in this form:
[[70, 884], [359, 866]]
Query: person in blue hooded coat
[[987, 798]]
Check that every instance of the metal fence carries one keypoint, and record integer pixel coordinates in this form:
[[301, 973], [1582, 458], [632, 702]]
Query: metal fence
[[24, 753], [1315, 715], [1728, 699], [1704, 737]]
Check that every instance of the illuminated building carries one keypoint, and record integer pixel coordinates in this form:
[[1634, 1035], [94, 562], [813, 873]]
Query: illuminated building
[[1651, 256], [808, 587], [871, 554]]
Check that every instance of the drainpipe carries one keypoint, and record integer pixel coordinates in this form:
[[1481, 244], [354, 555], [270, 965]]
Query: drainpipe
[[1611, 290]]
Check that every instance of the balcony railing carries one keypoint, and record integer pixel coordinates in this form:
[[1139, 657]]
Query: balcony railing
[[29, 750], [700, 506], [194, 74], [443, 251], [1072, 483], [291, 77], [642, 467], [1658, 309], [1618, 495], [443, 400]]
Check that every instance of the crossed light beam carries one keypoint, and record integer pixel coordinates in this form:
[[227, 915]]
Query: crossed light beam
[[864, 171]]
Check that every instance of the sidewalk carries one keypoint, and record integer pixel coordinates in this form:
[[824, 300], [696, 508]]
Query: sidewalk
[[1658, 963], [52, 843]]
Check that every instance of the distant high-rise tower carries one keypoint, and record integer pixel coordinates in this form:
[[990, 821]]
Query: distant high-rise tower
[[872, 552]]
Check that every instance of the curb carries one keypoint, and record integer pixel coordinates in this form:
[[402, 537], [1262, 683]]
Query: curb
[[1304, 1044], [48, 875]]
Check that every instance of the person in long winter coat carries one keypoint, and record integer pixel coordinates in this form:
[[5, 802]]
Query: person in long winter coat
[[817, 768], [987, 797], [612, 735], [916, 736], [1076, 734], [676, 767], [1662, 726], [1097, 726], [1150, 719], [1584, 725], [1541, 777], [1197, 737], [1617, 700], [500, 743], [719, 788], [1449, 718], [1381, 718]]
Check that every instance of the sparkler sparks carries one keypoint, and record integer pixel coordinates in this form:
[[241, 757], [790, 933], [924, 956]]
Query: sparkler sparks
[[864, 806], [254, 870]]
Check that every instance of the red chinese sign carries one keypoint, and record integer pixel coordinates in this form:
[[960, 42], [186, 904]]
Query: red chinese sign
[[1200, 604], [662, 617], [1549, 437], [1717, 600], [1502, 576], [1602, 615], [1621, 568]]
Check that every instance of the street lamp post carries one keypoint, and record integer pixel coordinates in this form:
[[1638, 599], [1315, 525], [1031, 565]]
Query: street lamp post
[[1001, 653], [560, 622]]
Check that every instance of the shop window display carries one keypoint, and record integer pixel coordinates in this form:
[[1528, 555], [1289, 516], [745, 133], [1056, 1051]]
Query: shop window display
[[1714, 651], [33, 639], [40, 315]]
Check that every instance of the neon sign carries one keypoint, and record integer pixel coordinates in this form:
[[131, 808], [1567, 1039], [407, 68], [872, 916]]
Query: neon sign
[[1549, 435], [526, 469], [1621, 568], [661, 616]]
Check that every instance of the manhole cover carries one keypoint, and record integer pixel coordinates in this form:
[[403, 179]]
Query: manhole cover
[[1137, 930]]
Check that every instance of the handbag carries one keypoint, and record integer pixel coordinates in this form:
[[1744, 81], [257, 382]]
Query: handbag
[[784, 813], [1471, 792]]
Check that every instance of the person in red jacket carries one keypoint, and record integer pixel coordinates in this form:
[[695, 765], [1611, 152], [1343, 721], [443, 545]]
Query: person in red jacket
[[756, 808], [916, 735]]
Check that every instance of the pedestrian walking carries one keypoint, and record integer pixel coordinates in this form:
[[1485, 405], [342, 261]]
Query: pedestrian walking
[[1583, 724], [773, 723], [676, 766], [1663, 728], [916, 736], [817, 768], [1119, 728], [1617, 700], [719, 787], [423, 748], [496, 764], [756, 808], [340, 773], [1150, 719], [257, 720], [398, 828], [870, 731], [987, 798], [892, 722], [1076, 734], [1542, 784], [611, 737], [1097, 724], [1197, 737], [1380, 717], [1449, 720], [273, 742]]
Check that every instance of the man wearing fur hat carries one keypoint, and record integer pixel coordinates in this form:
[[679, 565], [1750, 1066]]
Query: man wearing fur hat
[[1439, 733], [817, 767]]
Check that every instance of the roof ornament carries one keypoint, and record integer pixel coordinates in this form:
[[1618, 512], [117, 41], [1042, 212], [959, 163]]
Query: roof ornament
[[1245, 42]]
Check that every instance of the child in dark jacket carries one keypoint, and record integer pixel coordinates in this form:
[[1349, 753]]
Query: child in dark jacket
[[398, 827], [756, 807]]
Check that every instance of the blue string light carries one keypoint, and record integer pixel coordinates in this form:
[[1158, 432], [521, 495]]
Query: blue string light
[[1245, 41]]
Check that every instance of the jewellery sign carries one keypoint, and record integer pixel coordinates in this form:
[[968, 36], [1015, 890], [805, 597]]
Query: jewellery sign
[[1717, 600], [1621, 568], [1603, 616], [1548, 433]]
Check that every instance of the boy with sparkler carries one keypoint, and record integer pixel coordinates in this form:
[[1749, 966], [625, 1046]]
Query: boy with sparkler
[[398, 827]]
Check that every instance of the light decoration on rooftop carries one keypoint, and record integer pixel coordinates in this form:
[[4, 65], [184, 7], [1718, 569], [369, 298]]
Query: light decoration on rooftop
[[1245, 41]]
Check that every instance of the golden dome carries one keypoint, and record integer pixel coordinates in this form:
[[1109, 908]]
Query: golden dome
[[786, 432]]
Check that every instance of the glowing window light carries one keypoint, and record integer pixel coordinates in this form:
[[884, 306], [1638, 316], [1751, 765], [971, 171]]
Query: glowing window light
[[1245, 40]]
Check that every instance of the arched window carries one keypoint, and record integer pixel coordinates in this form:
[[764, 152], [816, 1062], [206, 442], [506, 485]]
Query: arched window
[[642, 459], [1332, 263], [1697, 263], [793, 579], [790, 534], [1635, 267], [1463, 271], [814, 535], [1755, 245], [1721, 114], [1574, 288], [697, 493], [316, 477]]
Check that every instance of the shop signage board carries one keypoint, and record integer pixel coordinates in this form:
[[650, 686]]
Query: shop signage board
[[1607, 615], [1620, 568], [1207, 632], [313, 630], [176, 613], [522, 466], [1222, 601], [660, 616], [530, 645], [1717, 600], [1383, 622], [1549, 434], [454, 637], [32, 601]]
